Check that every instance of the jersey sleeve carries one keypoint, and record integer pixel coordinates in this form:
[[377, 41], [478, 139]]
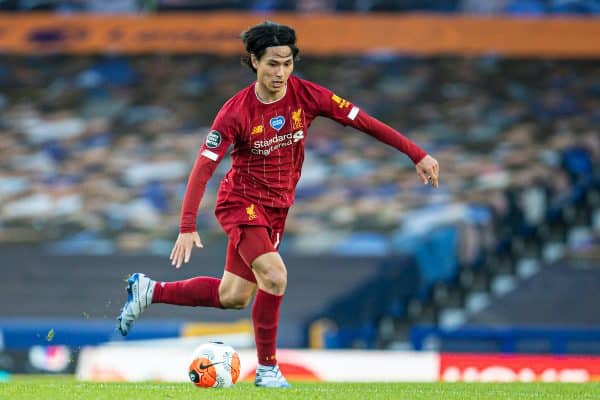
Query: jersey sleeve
[[221, 135], [213, 149], [330, 105], [341, 110]]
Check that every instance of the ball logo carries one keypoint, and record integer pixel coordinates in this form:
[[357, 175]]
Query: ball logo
[[213, 139], [277, 122], [206, 366]]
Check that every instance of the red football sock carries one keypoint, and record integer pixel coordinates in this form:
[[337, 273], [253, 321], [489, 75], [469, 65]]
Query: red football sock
[[265, 315], [199, 291]]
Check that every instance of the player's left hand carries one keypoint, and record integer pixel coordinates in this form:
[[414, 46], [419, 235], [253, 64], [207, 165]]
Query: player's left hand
[[428, 169], [182, 250]]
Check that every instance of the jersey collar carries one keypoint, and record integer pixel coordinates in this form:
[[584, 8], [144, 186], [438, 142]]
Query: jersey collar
[[269, 102]]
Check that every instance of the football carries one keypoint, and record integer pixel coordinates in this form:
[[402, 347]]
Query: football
[[214, 365]]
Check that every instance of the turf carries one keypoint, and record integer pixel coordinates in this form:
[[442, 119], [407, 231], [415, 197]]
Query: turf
[[48, 388]]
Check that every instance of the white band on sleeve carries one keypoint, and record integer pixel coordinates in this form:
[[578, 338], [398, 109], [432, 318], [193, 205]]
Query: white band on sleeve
[[209, 154], [353, 113]]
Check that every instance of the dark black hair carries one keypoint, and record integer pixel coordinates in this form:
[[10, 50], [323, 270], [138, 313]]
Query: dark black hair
[[267, 34]]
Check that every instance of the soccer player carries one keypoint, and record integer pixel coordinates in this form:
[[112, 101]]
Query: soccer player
[[267, 124]]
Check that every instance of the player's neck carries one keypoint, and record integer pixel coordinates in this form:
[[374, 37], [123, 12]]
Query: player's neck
[[267, 97]]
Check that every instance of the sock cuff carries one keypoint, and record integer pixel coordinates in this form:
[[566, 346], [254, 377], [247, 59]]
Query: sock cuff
[[266, 366], [269, 295], [156, 292], [215, 296]]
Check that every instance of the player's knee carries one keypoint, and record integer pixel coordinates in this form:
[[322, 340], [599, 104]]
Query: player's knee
[[270, 273], [234, 301], [274, 280]]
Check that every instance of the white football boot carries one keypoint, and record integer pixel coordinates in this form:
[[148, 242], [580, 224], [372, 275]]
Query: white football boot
[[140, 289], [270, 377]]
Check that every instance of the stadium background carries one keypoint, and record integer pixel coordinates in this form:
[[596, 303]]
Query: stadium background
[[105, 104]]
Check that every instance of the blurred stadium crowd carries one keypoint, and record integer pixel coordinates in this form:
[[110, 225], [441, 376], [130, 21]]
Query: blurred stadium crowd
[[519, 7], [95, 151]]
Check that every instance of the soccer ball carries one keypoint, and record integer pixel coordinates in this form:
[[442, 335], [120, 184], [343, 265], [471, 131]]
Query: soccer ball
[[214, 364]]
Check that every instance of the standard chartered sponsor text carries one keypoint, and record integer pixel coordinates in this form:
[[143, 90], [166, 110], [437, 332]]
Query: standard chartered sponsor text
[[265, 147]]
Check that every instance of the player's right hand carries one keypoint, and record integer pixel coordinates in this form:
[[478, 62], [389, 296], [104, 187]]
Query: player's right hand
[[182, 250], [429, 169]]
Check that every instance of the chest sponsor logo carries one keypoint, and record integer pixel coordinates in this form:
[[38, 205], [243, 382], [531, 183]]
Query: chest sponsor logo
[[266, 147], [257, 130], [297, 119], [277, 122], [251, 212], [213, 139]]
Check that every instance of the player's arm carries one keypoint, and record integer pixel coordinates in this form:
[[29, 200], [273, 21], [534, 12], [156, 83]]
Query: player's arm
[[346, 113], [210, 155], [426, 166]]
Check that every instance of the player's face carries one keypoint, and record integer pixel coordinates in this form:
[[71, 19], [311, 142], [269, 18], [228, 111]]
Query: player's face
[[273, 70]]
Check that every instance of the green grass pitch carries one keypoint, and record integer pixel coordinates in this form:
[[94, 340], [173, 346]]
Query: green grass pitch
[[67, 388]]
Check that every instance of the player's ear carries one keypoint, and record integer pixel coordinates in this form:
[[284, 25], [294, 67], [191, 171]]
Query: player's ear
[[254, 60]]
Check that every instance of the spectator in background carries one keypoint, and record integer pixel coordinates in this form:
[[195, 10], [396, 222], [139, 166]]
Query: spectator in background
[[107, 114]]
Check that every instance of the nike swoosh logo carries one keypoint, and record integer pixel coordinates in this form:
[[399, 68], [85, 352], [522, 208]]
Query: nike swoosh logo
[[205, 366]]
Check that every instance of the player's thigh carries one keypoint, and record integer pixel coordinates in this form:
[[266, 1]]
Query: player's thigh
[[257, 249], [235, 291], [234, 263]]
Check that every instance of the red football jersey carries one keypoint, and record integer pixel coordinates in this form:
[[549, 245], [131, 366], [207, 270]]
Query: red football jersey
[[268, 144], [268, 139]]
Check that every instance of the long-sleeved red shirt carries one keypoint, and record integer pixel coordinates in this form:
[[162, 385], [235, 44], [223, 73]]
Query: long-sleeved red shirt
[[268, 144]]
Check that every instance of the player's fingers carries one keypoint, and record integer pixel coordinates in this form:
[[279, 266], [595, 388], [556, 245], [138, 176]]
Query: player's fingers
[[188, 253], [432, 176], [423, 176], [173, 251], [198, 242], [176, 255], [434, 180], [181, 256], [179, 259], [173, 254]]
